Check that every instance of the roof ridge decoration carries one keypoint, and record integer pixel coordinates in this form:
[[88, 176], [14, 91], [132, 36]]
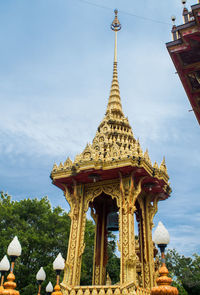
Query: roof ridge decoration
[[114, 144]]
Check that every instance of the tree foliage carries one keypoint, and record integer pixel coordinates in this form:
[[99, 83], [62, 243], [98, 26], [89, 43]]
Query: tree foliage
[[43, 233], [185, 272]]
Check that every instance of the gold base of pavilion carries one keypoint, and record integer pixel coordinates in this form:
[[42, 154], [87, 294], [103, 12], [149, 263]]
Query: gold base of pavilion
[[124, 289]]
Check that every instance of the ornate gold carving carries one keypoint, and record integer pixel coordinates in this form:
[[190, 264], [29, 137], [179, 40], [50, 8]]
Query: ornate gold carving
[[68, 164], [102, 292], [92, 191], [72, 292], [124, 291], [108, 280], [109, 292], [142, 291], [147, 158], [155, 165], [117, 292], [153, 208], [131, 262], [80, 292], [147, 275], [87, 292], [163, 167], [55, 167], [94, 292], [97, 275]]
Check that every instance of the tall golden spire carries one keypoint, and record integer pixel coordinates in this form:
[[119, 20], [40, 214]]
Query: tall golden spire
[[114, 102]]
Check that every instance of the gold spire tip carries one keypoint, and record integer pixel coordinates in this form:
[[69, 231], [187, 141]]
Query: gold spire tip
[[116, 26]]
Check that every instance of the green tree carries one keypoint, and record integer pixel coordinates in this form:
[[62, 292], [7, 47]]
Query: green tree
[[185, 272], [43, 233]]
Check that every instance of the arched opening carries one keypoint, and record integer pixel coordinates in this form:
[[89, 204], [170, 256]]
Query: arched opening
[[106, 261]]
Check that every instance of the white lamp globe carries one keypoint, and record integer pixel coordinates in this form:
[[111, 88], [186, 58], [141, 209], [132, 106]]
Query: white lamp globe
[[41, 275], [161, 235], [59, 263], [4, 264], [14, 248], [49, 287]]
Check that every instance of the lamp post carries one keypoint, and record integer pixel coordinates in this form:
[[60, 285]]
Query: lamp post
[[161, 238], [40, 277], [49, 288], [4, 266], [58, 266], [14, 251]]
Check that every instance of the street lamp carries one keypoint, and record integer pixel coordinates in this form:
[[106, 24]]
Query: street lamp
[[161, 238], [58, 266], [40, 277], [4, 266], [14, 250], [49, 288]]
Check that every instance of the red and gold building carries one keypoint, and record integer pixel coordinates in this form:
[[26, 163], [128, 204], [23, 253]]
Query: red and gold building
[[185, 54]]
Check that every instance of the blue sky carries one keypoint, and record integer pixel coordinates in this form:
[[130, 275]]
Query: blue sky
[[55, 77]]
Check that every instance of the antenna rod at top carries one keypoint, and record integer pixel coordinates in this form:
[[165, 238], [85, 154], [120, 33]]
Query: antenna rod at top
[[115, 26]]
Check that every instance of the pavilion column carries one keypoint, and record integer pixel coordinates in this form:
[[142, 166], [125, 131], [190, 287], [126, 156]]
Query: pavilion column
[[129, 258], [152, 210], [76, 244], [141, 245], [149, 212]]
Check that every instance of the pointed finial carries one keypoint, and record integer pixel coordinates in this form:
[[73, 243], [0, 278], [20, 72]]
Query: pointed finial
[[174, 29], [116, 26], [173, 18], [183, 2], [108, 280], [55, 167], [147, 158], [185, 12], [60, 166], [155, 165], [163, 166], [114, 102]]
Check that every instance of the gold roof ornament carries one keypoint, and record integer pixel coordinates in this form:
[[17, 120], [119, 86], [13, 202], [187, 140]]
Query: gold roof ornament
[[163, 166]]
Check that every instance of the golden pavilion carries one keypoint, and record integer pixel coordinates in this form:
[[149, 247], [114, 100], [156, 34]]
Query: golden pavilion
[[117, 181]]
